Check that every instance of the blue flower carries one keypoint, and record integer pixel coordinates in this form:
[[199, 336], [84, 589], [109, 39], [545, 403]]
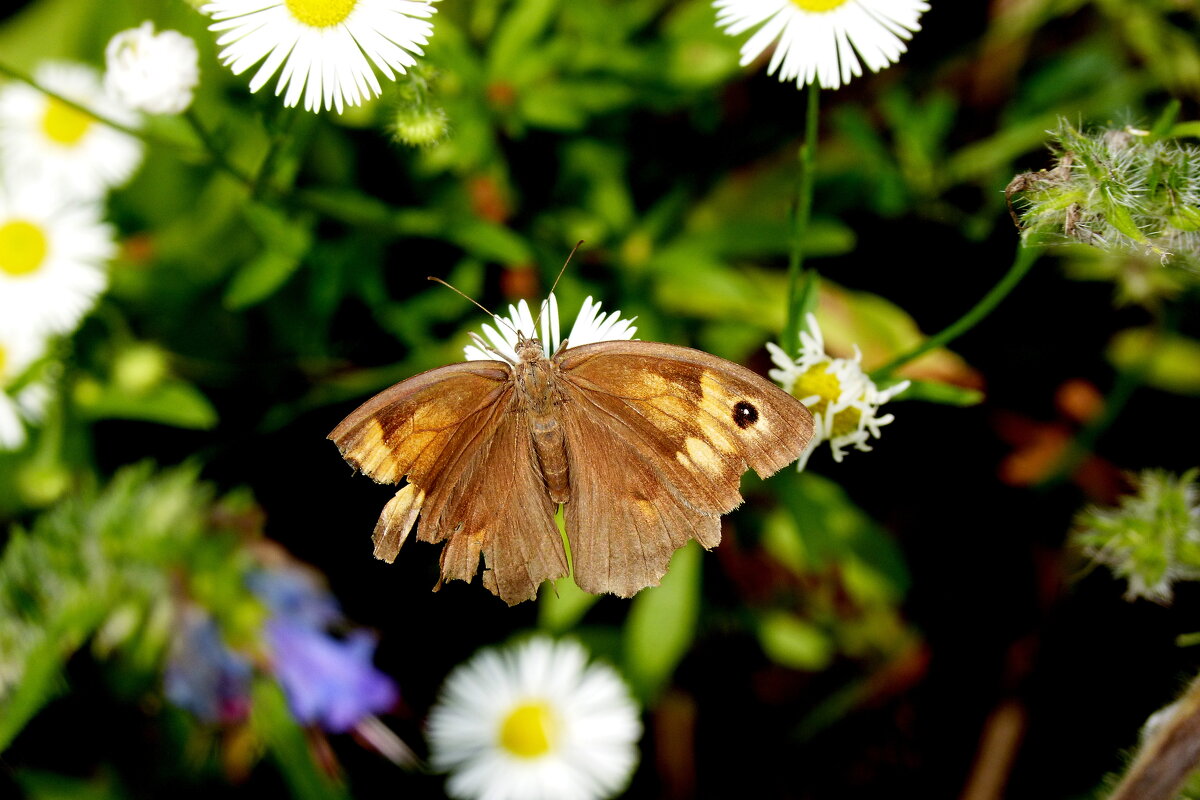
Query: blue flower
[[296, 594], [203, 675], [328, 681]]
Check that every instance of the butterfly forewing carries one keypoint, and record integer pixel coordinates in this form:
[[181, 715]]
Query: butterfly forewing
[[707, 413], [658, 437], [405, 429]]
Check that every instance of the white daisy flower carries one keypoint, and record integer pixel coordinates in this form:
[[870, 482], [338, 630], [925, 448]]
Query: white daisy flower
[[52, 254], [534, 722], [152, 72], [822, 40], [844, 402], [590, 326], [19, 349], [44, 139], [324, 44]]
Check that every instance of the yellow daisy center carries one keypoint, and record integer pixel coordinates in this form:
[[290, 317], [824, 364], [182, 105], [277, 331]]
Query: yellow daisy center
[[64, 124], [23, 247], [827, 388], [320, 13], [3, 363], [528, 730], [819, 6]]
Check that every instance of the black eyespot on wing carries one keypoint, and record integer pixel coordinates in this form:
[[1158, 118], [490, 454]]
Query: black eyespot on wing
[[745, 414]]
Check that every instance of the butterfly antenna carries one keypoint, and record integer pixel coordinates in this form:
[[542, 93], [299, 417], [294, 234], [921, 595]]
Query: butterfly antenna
[[499, 320], [461, 294], [555, 284]]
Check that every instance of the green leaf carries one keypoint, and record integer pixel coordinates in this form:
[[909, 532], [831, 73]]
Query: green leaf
[[513, 40], [41, 672], [489, 241], [662, 624], [172, 402], [288, 746], [1186, 129], [833, 530], [793, 642], [1165, 124], [944, 393], [45, 785], [561, 609], [1168, 361], [285, 243]]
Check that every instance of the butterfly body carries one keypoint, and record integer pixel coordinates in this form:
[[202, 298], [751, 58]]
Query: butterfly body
[[538, 396], [643, 444]]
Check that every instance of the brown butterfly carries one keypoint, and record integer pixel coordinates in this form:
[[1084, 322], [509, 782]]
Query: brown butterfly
[[642, 443]]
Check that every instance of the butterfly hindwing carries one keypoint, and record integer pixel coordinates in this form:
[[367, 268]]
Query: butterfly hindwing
[[624, 521], [497, 506]]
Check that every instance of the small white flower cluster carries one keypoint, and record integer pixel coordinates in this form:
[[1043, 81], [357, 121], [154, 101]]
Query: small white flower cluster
[[152, 72], [843, 400], [534, 722], [822, 40], [58, 160], [590, 326]]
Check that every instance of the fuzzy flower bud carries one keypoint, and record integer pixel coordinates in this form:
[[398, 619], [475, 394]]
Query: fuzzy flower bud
[[419, 127], [1152, 538], [152, 72], [417, 120], [1120, 190]]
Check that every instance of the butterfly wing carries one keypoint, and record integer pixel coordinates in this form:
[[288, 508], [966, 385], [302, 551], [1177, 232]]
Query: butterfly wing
[[499, 508], [405, 430], [658, 437], [472, 476]]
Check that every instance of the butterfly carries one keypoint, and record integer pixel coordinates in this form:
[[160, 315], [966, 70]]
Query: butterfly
[[643, 444]]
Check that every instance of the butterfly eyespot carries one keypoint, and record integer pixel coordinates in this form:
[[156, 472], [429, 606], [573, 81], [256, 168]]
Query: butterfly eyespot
[[745, 414]]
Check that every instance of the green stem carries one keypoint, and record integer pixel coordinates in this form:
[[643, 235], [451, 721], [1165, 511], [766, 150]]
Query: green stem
[[800, 220], [282, 129], [149, 138], [215, 153], [215, 156], [1026, 256]]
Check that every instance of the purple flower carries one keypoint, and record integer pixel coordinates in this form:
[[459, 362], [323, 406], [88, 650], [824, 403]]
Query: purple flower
[[328, 681], [202, 674]]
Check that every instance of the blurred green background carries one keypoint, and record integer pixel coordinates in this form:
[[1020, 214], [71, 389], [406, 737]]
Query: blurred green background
[[905, 623]]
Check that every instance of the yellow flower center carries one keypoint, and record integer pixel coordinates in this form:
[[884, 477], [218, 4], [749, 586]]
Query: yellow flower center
[[819, 6], [827, 388], [320, 13], [64, 124], [3, 363], [528, 729], [23, 247]]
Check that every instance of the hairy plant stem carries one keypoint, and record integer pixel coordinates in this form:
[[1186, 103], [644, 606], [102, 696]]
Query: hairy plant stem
[[803, 214], [1026, 256], [1168, 755]]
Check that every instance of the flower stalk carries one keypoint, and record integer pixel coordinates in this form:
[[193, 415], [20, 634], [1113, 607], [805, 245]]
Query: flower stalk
[[803, 212], [1024, 261]]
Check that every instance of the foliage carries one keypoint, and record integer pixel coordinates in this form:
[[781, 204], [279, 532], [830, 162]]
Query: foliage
[[270, 276]]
